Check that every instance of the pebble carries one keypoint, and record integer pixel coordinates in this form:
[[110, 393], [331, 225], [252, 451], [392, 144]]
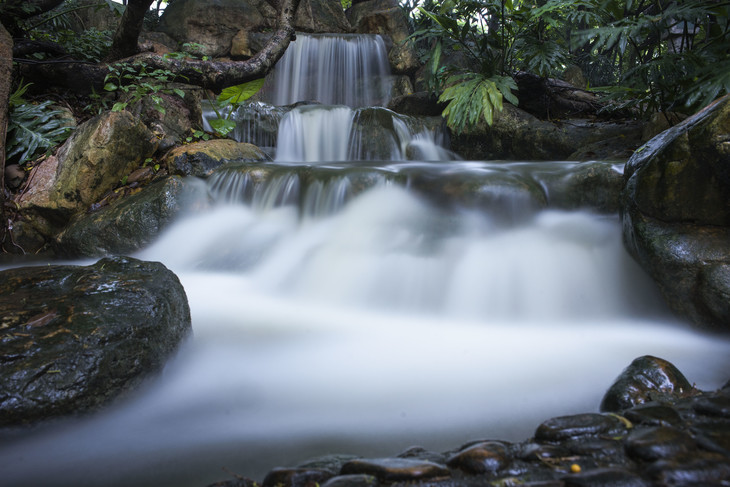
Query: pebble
[[578, 425]]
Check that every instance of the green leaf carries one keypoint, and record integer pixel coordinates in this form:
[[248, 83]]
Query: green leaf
[[234, 95], [119, 106], [111, 87], [222, 126], [33, 128]]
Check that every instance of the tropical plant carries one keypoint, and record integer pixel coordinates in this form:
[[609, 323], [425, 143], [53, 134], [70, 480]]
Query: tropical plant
[[33, 128], [137, 82], [229, 101]]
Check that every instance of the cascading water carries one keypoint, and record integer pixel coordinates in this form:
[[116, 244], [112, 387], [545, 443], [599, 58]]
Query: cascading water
[[364, 308]]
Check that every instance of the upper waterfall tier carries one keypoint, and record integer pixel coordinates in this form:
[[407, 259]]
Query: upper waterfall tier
[[333, 69]]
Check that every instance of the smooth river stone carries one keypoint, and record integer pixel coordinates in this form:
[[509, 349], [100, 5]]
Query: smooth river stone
[[578, 425], [395, 469]]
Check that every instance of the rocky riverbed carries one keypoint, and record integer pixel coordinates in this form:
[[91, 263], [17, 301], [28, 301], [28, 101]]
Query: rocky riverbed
[[655, 429]]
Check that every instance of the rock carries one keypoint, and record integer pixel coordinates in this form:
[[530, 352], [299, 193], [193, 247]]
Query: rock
[[420, 103], [595, 185], [322, 17], [605, 477], [352, 481], [577, 426], [658, 443], [14, 176], [74, 338], [387, 18], [676, 214], [296, 477], [133, 222], [178, 118], [215, 24], [89, 164], [202, 158], [483, 458], [212, 24], [395, 469], [517, 135], [653, 415], [646, 379]]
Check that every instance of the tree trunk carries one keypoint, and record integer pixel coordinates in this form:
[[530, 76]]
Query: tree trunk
[[124, 43], [6, 74]]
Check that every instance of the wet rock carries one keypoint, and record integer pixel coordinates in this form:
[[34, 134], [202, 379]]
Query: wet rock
[[696, 469], [713, 406], [676, 217], [517, 135], [578, 425], [653, 415], [130, 223], [658, 443], [595, 185], [359, 480], [387, 18], [646, 379], [330, 463], [605, 477], [296, 477], [202, 158], [483, 458], [395, 469], [601, 448], [420, 103], [74, 338], [417, 452]]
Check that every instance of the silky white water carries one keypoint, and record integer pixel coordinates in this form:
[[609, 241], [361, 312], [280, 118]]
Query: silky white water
[[387, 324]]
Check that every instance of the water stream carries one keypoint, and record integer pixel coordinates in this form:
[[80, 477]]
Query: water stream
[[339, 308]]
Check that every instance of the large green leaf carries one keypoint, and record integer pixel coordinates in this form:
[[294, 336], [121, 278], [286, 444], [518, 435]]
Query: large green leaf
[[234, 95], [33, 128]]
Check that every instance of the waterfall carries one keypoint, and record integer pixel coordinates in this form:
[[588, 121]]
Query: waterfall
[[332, 69]]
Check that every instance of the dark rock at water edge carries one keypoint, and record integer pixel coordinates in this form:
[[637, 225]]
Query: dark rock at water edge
[[132, 222], [73, 338], [676, 214], [646, 379]]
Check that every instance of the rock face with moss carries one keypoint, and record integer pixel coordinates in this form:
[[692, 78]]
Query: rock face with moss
[[90, 163], [74, 338], [130, 223], [676, 214]]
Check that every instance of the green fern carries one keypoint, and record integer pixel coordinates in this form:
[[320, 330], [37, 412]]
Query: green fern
[[472, 97], [34, 128]]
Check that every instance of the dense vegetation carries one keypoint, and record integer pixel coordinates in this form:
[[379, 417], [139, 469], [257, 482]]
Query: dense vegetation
[[647, 55]]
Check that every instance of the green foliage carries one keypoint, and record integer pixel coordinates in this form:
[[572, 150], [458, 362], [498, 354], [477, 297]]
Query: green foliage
[[229, 101], [135, 81], [90, 45], [649, 55], [473, 97], [33, 128]]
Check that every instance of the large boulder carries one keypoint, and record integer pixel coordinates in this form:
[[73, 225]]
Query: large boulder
[[387, 18], [676, 214], [515, 134], [74, 338], [218, 25], [88, 165], [130, 223]]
